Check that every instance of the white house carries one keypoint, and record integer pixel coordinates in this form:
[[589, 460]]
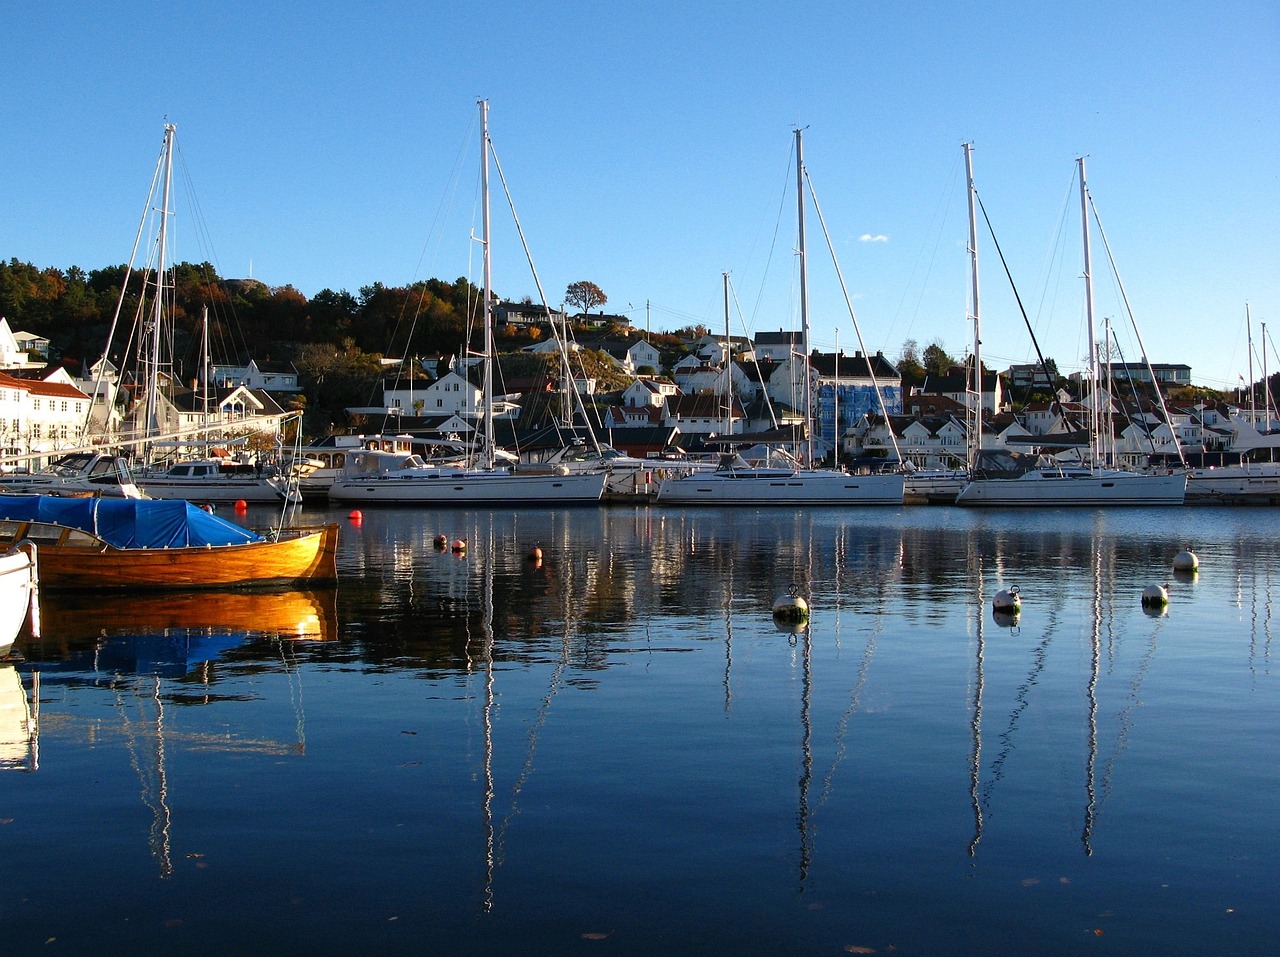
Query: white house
[[777, 346], [40, 417], [648, 392]]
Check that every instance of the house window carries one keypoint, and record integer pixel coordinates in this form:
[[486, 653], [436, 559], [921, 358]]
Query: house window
[[64, 405], [35, 405], [439, 403], [35, 432]]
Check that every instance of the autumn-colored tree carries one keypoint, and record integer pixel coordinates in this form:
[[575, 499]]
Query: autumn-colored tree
[[585, 295]]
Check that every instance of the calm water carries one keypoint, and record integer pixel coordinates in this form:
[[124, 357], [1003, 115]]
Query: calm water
[[617, 751]]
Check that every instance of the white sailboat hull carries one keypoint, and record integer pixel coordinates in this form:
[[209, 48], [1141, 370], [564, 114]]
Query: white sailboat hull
[[215, 489], [454, 487], [1235, 484], [17, 582], [768, 486], [1050, 487]]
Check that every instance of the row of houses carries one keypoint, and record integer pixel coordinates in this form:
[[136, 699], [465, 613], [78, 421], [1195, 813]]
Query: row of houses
[[45, 410]]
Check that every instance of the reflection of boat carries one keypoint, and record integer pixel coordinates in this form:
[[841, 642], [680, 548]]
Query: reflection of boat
[[80, 473], [17, 728], [17, 583], [94, 543], [290, 614]]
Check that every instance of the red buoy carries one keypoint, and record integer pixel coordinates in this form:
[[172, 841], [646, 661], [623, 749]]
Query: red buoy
[[459, 545], [441, 540], [535, 554], [242, 505], [356, 515]]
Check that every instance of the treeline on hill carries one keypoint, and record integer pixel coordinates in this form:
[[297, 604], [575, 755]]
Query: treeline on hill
[[335, 339]]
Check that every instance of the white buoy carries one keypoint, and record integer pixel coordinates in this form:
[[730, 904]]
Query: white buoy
[[1007, 600], [791, 608], [1154, 596], [1186, 562]]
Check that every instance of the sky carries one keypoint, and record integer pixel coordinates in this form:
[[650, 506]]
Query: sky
[[648, 148]]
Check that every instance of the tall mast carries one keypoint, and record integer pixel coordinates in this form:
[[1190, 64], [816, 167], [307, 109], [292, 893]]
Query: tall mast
[[975, 432], [487, 411], [728, 385], [1088, 308], [1253, 401], [1266, 384], [157, 311], [804, 300]]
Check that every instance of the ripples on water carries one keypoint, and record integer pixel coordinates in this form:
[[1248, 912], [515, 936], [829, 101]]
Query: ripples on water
[[616, 748]]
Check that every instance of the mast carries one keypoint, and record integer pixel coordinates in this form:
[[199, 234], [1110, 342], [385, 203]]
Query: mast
[[1253, 401], [1088, 300], [728, 385], [1088, 307], [487, 411], [975, 433], [1266, 384], [157, 311], [804, 300]]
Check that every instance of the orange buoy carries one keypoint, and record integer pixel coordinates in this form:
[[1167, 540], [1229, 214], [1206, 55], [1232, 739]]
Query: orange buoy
[[459, 545], [535, 554], [242, 505]]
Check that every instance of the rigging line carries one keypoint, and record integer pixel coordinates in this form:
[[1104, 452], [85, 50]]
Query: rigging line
[[99, 381], [875, 383], [755, 360], [564, 348], [1018, 298], [783, 197], [1137, 401], [1134, 322], [944, 205]]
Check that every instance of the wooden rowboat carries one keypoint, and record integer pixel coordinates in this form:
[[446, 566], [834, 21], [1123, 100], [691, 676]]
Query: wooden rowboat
[[143, 544]]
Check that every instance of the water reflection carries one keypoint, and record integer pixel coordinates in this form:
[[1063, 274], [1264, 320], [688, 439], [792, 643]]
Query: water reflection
[[538, 738]]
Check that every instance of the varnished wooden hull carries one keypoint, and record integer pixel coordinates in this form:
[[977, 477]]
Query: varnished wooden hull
[[309, 557]]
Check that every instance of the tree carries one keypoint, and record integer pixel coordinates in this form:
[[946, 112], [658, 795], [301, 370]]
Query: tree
[[585, 295], [937, 361], [909, 366]]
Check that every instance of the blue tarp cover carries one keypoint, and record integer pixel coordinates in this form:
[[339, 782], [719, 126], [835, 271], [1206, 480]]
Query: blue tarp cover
[[129, 523]]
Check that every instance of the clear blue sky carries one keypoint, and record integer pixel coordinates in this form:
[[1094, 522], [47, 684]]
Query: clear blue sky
[[648, 147]]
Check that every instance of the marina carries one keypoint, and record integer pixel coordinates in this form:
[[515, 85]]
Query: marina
[[610, 743]]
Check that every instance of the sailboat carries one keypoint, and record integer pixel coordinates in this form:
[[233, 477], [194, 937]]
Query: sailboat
[[414, 481], [941, 486], [1002, 479], [735, 482]]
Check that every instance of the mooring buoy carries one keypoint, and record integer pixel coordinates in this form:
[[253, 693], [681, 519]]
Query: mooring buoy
[[1155, 596], [1007, 600]]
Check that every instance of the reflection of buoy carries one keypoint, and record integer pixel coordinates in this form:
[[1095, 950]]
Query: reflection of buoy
[[791, 609], [440, 541], [1186, 562], [1154, 596], [535, 554], [1007, 600], [242, 505], [1005, 619], [356, 515]]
